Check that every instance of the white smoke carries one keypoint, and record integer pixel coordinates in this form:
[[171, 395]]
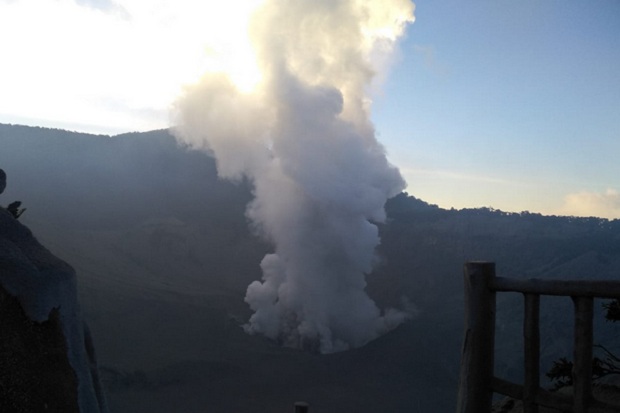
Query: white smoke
[[303, 137]]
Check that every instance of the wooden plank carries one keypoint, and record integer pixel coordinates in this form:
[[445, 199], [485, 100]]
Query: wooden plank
[[477, 359], [301, 407], [543, 397], [556, 401], [581, 288], [603, 406], [531, 348], [582, 365], [507, 388]]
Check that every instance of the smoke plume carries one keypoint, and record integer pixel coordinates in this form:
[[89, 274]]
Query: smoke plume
[[303, 137]]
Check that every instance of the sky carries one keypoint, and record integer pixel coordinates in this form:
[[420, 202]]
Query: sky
[[503, 104]]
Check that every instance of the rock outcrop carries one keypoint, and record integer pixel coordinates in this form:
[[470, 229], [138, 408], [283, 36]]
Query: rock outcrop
[[47, 360]]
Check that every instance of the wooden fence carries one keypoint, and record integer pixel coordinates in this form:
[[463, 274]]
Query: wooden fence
[[477, 379]]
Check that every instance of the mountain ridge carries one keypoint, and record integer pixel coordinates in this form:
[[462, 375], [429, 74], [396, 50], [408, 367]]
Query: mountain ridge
[[164, 255]]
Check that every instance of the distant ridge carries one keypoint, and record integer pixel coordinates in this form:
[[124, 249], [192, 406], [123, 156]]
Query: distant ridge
[[164, 255]]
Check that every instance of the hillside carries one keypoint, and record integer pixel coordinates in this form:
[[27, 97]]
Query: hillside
[[163, 255], [47, 357]]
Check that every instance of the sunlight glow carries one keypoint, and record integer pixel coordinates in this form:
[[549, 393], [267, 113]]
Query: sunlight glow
[[121, 65]]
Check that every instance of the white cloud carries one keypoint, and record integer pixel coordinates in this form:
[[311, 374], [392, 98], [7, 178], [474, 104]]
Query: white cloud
[[598, 204], [107, 6], [429, 55], [457, 176], [111, 63]]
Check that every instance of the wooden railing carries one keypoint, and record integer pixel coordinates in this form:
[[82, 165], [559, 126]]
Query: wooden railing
[[301, 407], [477, 380]]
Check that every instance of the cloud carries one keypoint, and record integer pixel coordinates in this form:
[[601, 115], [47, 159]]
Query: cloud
[[107, 6], [592, 204], [431, 62], [458, 176], [113, 64]]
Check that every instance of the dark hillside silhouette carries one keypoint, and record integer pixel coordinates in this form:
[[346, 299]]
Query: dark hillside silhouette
[[164, 256]]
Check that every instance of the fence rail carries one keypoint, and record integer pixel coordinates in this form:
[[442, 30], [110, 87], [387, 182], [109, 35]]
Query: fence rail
[[477, 380]]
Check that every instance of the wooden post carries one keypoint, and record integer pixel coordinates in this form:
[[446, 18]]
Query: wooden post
[[582, 366], [477, 359], [301, 407], [531, 344]]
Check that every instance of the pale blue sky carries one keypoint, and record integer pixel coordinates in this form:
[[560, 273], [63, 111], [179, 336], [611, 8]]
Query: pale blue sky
[[509, 104], [513, 105]]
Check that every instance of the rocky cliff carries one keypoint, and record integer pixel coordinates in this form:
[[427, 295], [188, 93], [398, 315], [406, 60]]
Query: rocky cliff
[[47, 360]]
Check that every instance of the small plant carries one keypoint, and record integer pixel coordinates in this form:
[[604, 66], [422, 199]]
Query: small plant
[[561, 373], [15, 210], [613, 311]]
